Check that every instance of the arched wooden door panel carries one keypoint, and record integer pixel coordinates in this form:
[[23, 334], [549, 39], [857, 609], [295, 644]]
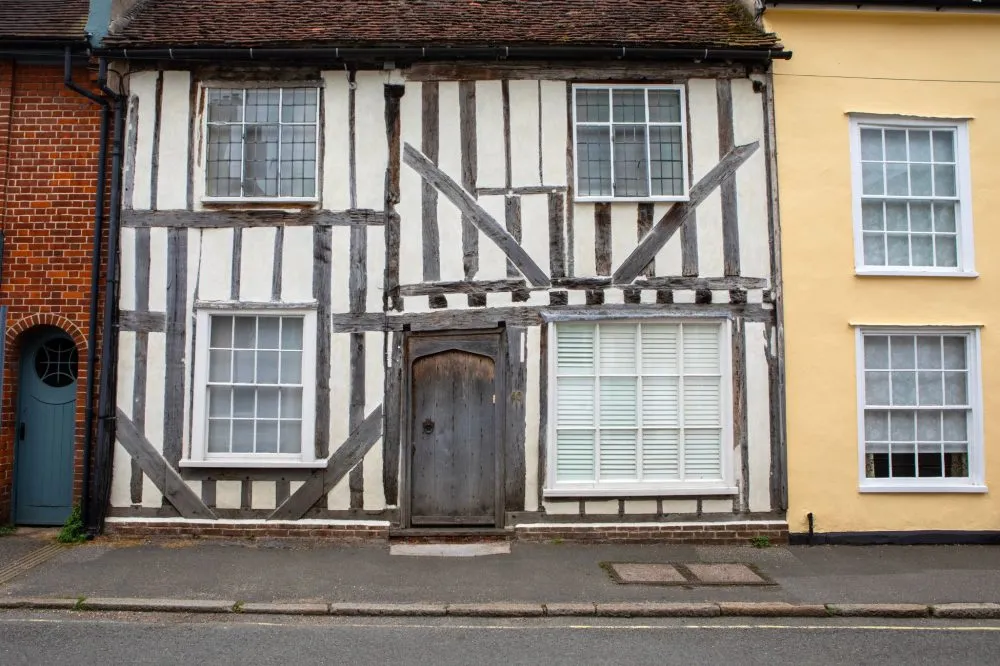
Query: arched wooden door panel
[[454, 431]]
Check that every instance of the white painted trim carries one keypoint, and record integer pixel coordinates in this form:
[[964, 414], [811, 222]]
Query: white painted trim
[[724, 486], [975, 482], [707, 523], [197, 454], [880, 7], [243, 522], [685, 158], [966, 246], [945, 328], [271, 200]]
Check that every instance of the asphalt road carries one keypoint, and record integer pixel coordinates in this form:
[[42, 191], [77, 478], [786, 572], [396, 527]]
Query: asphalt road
[[71, 638]]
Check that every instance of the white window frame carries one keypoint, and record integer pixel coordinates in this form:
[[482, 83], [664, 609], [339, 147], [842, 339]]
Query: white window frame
[[963, 221], [685, 157], [974, 483], [198, 455], [620, 488], [205, 87]]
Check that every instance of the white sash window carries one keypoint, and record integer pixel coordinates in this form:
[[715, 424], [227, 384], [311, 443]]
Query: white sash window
[[639, 407]]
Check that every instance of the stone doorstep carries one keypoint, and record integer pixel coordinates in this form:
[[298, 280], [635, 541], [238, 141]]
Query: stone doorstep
[[504, 609]]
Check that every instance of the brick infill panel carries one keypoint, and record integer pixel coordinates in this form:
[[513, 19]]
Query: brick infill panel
[[695, 533]]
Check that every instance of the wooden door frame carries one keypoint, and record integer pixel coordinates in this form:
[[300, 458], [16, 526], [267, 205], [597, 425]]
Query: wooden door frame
[[480, 348]]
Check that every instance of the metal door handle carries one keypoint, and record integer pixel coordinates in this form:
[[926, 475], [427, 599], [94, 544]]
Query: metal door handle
[[428, 426], [20, 431]]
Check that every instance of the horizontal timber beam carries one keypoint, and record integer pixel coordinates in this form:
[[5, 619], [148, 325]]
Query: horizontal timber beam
[[557, 71], [142, 322], [224, 217], [527, 189]]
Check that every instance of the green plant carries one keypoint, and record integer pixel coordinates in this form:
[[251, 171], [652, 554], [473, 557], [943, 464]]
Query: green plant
[[73, 530], [7, 530], [760, 542]]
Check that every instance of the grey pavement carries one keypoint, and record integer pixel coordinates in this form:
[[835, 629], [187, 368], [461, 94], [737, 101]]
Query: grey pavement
[[22, 542], [264, 571], [153, 639]]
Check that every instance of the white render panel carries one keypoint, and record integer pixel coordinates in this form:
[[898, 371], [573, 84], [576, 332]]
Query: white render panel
[[171, 189], [646, 507], [126, 371], [704, 130], [264, 495], [717, 506], [194, 260], [216, 264], [339, 499], [151, 495], [669, 259], [562, 508], [158, 269], [297, 265], [370, 139], [532, 415], [228, 494], [492, 260], [758, 418], [156, 388], [340, 388], [256, 264], [374, 495], [577, 297], [710, 259], [600, 507], [121, 477], [143, 85], [336, 142], [624, 232], [492, 170], [194, 485], [450, 161], [340, 260], [411, 256], [751, 182], [525, 130], [555, 132], [376, 268], [584, 261], [535, 229], [126, 293], [680, 506]]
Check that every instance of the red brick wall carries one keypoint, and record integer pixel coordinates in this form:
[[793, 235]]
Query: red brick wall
[[49, 138]]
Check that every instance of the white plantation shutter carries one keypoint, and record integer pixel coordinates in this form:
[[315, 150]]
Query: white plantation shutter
[[638, 402]]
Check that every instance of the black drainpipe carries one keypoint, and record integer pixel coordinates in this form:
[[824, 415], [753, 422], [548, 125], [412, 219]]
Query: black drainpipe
[[107, 399], [95, 266]]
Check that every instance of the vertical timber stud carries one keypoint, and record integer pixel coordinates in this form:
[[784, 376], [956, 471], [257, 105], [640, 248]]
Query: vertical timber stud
[[570, 183], [140, 368], [557, 251], [173, 407], [689, 230], [322, 252], [470, 158], [391, 440], [192, 157], [740, 439], [505, 96], [430, 146], [357, 296], [543, 411], [132, 144], [512, 219], [390, 297], [234, 283], [730, 222], [602, 248], [154, 169], [279, 253], [514, 435]]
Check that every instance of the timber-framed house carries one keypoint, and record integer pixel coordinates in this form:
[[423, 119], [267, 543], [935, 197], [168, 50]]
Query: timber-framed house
[[448, 265]]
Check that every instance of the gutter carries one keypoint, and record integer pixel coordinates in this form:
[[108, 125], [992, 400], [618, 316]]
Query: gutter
[[937, 5], [409, 53], [95, 265]]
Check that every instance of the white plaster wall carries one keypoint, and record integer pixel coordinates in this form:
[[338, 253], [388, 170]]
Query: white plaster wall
[[172, 181], [490, 147], [257, 264], [704, 114], [158, 268], [751, 182], [263, 495], [680, 506], [525, 131], [215, 277], [450, 161], [340, 389], [340, 261], [555, 132], [492, 260], [126, 293], [336, 139], [669, 259], [156, 361], [374, 495], [121, 475], [411, 267], [228, 494], [126, 371], [143, 85], [624, 232], [584, 262], [297, 265], [571, 508], [645, 506], [535, 237], [376, 268], [758, 418], [370, 139], [194, 253], [601, 507], [717, 506], [532, 416]]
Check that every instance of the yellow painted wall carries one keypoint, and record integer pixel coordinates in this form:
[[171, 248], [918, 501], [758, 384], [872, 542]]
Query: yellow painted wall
[[909, 63]]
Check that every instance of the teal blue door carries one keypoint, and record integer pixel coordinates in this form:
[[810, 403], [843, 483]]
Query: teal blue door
[[43, 458]]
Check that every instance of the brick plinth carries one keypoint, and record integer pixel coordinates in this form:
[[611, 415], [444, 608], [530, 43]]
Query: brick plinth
[[728, 533], [340, 532]]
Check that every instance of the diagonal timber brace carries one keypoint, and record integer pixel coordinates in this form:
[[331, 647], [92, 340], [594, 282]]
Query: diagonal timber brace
[[668, 225]]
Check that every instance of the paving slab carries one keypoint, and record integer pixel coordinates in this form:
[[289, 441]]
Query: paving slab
[[15, 546]]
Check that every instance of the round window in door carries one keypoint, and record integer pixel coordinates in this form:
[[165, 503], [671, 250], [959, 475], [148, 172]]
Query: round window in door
[[56, 362]]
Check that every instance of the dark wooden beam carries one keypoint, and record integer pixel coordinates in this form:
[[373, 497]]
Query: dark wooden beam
[[176, 328], [730, 215], [343, 460], [470, 167], [142, 322], [224, 218], [558, 71], [523, 190], [466, 203], [679, 212]]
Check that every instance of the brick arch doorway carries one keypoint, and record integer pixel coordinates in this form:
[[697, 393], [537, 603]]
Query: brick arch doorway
[[44, 438]]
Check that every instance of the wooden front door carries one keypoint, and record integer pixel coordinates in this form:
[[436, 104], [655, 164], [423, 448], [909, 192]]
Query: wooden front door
[[455, 428]]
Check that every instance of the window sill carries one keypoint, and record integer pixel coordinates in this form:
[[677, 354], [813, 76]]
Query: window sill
[[879, 272], [921, 488], [253, 464], [646, 490], [260, 200], [584, 200]]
